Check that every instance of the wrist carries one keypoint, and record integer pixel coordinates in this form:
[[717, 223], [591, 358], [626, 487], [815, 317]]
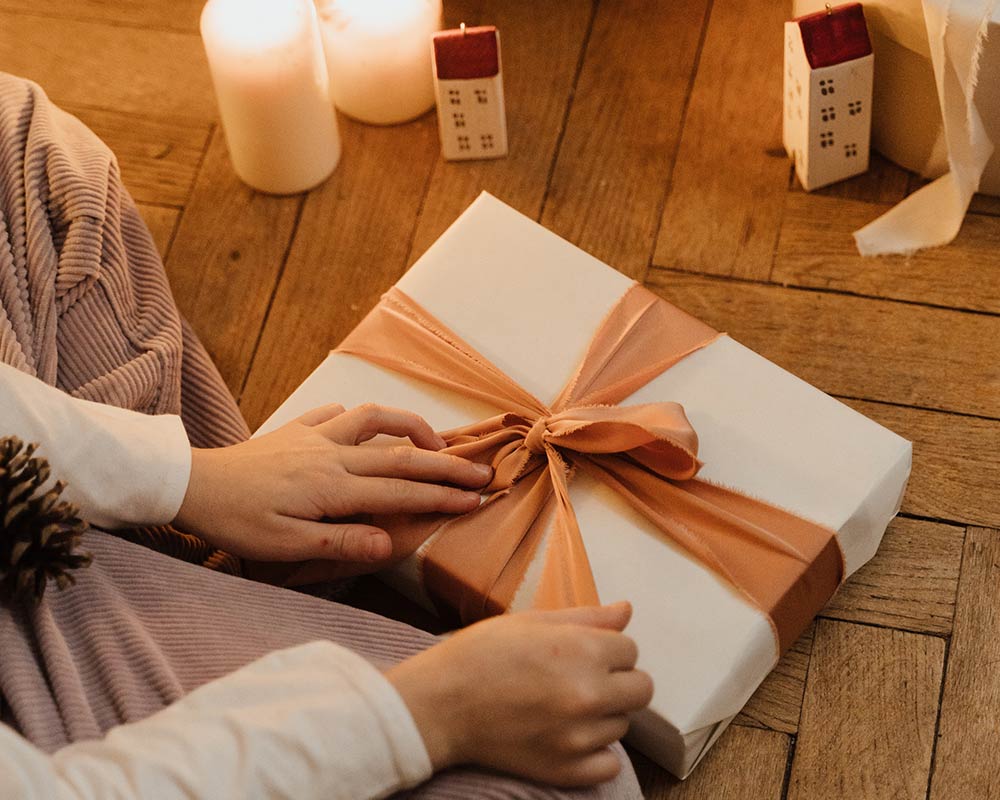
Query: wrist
[[190, 515], [433, 711]]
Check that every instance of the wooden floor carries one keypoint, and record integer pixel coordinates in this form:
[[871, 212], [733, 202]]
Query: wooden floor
[[649, 134]]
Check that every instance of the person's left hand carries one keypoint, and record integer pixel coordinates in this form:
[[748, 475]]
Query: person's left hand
[[285, 496]]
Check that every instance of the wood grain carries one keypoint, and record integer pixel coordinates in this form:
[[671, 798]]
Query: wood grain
[[541, 48], [981, 203], [348, 254], [158, 158], [868, 716], [911, 582], [884, 182], [180, 15], [723, 212], [745, 764], [816, 249], [966, 758], [634, 128], [956, 472], [162, 222], [857, 347], [777, 702], [133, 70], [606, 192], [226, 258], [985, 204]]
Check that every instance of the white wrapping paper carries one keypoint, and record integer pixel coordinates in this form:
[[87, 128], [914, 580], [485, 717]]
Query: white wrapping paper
[[530, 302]]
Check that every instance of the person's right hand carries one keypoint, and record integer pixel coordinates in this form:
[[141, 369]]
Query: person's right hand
[[539, 694], [288, 496]]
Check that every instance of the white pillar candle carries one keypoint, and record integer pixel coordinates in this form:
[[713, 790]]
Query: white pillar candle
[[267, 64], [378, 54]]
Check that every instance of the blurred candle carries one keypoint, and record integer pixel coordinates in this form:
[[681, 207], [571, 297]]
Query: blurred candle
[[378, 54], [266, 60]]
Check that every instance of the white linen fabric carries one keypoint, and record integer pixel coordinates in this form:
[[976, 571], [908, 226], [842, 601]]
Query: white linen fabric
[[932, 216], [314, 720], [123, 468]]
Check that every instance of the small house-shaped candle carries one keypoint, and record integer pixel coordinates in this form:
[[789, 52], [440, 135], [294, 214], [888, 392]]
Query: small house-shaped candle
[[828, 95], [468, 82]]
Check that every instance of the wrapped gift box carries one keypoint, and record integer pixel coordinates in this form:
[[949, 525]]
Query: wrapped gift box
[[530, 302]]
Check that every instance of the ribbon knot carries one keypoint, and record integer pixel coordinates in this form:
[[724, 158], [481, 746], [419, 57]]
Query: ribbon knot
[[785, 565], [656, 435], [535, 440]]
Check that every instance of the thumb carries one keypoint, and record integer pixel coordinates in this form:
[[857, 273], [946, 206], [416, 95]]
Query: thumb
[[612, 617]]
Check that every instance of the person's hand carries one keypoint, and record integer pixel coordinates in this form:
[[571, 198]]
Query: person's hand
[[539, 694], [272, 498]]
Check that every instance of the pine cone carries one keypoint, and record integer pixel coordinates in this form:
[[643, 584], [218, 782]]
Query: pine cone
[[38, 531]]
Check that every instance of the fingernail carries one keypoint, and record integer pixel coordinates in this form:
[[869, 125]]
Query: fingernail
[[470, 495], [484, 470], [379, 547], [441, 443]]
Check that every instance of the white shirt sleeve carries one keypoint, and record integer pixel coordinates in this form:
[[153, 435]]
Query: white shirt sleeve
[[122, 468], [314, 721]]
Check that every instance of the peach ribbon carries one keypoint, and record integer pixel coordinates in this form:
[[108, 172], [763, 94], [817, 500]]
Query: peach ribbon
[[785, 565]]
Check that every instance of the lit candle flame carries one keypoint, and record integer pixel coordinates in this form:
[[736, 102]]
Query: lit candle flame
[[254, 26]]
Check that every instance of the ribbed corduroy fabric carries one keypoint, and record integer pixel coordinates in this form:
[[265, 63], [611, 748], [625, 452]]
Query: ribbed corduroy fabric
[[84, 300], [85, 305]]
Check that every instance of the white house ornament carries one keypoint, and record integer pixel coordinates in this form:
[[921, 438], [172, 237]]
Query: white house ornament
[[828, 95], [468, 82]]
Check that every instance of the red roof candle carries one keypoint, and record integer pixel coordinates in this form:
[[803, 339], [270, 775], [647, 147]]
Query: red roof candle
[[468, 82], [835, 35], [467, 53], [828, 74]]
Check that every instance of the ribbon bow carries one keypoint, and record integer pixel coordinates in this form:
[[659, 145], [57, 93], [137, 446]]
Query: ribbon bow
[[785, 565]]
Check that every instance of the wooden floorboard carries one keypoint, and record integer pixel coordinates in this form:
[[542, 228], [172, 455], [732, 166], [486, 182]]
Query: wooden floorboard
[[162, 222], [226, 258], [345, 255], [816, 249], [746, 764], [159, 158], [966, 764], [911, 582], [777, 703], [126, 69], [956, 471], [884, 182], [649, 134], [176, 15], [723, 212], [829, 340], [606, 191], [542, 45], [868, 716]]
